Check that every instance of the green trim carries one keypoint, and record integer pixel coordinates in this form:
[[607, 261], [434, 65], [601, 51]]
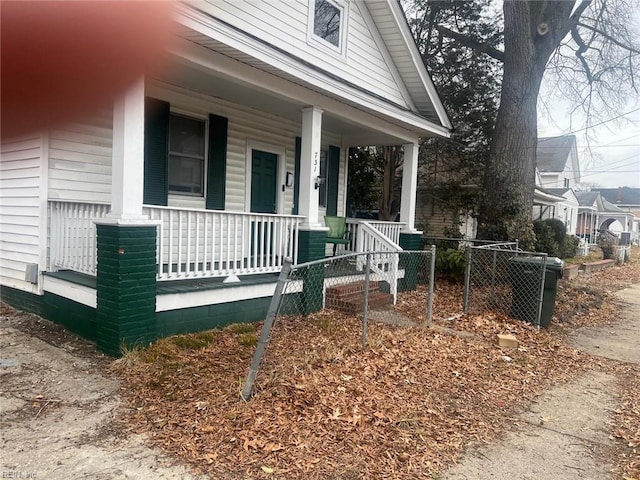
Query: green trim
[[409, 241], [312, 246], [333, 170], [156, 151], [72, 315], [126, 287], [217, 163], [296, 178]]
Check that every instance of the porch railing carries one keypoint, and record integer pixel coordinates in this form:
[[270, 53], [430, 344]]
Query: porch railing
[[370, 238], [191, 243], [205, 243], [391, 230], [72, 235]]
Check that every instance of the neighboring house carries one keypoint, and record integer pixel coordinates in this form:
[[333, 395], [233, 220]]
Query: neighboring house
[[596, 214], [557, 162], [628, 200], [557, 172], [173, 211], [560, 203]]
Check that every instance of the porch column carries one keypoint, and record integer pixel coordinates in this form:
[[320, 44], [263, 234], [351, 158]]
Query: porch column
[[313, 235], [410, 238], [409, 187], [310, 166], [126, 239], [127, 166]]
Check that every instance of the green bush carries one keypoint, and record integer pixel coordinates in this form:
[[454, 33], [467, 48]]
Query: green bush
[[552, 238], [451, 262]]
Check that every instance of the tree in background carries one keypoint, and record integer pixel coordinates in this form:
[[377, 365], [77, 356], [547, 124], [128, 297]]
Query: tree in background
[[468, 82], [590, 40]]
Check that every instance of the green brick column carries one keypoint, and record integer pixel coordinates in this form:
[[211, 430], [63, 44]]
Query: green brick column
[[409, 241], [311, 246], [126, 286]]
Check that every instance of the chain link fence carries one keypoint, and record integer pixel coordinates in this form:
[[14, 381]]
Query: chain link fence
[[387, 287], [500, 278]]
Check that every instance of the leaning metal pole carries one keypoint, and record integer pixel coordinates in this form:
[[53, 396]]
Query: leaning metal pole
[[365, 313], [265, 334]]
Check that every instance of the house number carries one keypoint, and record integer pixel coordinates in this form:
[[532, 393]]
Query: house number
[[315, 162]]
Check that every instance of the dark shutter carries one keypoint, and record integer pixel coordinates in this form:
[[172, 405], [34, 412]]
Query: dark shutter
[[333, 169], [217, 165], [156, 151], [296, 176]]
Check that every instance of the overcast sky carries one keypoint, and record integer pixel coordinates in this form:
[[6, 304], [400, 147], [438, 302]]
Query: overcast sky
[[609, 153]]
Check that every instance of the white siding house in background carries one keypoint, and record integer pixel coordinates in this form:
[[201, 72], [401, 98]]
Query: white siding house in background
[[231, 157], [557, 173]]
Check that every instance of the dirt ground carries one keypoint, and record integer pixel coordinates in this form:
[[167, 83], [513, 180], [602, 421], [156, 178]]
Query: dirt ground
[[58, 402], [57, 406]]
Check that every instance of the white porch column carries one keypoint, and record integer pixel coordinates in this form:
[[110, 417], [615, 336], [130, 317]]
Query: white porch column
[[127, 165], [310, 166], [409, 187]]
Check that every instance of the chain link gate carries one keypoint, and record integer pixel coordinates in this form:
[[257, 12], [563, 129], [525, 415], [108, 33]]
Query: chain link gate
[[365, 286], [500, 278]]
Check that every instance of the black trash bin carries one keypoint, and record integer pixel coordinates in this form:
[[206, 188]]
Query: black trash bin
[[525, 273]]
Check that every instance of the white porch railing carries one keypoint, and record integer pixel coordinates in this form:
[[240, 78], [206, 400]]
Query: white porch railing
[[385, 256], [72, 235], [391, 230], [205, 243], [191, 243]]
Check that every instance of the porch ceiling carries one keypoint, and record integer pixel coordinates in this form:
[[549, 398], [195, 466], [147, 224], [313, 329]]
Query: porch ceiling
[[191, 77]]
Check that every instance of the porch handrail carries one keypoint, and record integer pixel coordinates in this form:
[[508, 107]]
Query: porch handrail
[[389, 229], [195, 243], [370, 239]]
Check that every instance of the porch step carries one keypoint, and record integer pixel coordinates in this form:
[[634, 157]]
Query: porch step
[[349, 298]]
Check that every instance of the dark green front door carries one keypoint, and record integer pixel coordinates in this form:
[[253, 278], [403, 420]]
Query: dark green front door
[[264, 170]]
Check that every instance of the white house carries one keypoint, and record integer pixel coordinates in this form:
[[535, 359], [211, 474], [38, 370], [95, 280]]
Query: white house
[[123, 226], [557, 173]]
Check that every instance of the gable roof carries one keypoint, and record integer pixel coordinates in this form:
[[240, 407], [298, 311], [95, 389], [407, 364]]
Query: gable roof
[[552, 153], [587, 199], [393, 27], [621, 195]]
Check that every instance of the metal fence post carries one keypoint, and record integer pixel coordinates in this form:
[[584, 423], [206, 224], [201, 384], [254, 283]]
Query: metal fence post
[[541, 298], [432, 270], [265, 334], [366, 300], [467, 282]]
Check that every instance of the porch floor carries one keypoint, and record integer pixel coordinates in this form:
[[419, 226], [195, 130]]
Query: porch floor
[[337, 268]]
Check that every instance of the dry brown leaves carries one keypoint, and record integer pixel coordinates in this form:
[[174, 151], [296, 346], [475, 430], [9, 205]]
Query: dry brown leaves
[[404, 407]]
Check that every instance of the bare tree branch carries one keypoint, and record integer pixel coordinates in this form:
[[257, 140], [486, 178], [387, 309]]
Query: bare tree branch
[[472, 43], [582, 47], [609, 37]]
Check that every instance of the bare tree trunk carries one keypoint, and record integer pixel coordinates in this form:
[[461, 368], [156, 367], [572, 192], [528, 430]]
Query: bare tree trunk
[[391, 157], [532, 31]]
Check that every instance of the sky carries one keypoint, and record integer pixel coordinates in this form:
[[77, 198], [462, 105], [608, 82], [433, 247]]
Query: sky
[[609, 153]]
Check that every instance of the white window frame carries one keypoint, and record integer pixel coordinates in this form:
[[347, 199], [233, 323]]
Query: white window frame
[[176, 199], [320, 43]]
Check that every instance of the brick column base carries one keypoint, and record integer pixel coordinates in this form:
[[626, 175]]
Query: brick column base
[[126, 287], [408, 262], [311, 246]]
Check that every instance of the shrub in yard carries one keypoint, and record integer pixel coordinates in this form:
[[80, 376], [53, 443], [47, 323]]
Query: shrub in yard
[[451, 262], [552, 238]]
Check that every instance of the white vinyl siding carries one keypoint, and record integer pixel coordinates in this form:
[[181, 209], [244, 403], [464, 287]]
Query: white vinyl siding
[[80, 161], [248, 126], [285, 26], [20, 211]]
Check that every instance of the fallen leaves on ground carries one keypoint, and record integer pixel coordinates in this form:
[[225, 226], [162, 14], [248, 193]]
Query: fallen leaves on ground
[[406, 406]]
